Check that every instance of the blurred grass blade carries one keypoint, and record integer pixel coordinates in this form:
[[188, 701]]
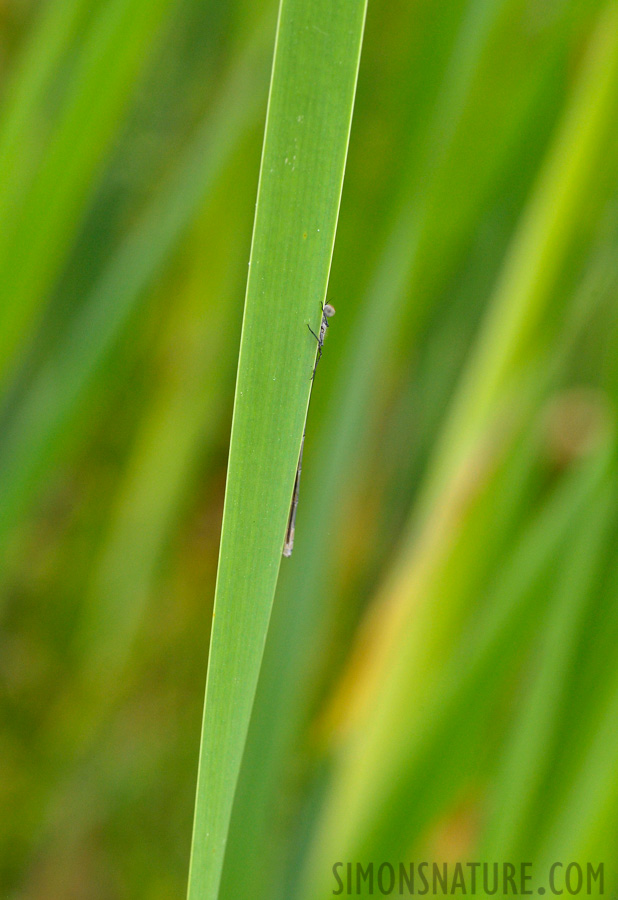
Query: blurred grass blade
[[184, 411], [529, 749], [20, 114], [380, 818], [405, 630], [44, 423], [586, 827], [36, 238], [315, 68], [538, 251], [511, 322]]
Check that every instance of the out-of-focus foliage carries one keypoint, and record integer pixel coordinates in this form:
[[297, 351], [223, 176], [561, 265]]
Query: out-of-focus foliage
[[440, 678]]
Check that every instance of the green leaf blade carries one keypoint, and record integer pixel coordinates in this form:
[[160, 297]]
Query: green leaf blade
[[307, 131]]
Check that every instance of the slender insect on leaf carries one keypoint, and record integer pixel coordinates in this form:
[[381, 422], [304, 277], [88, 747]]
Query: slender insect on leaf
[[288, 546]]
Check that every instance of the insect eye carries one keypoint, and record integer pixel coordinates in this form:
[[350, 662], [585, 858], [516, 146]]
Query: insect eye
[[329, 310]]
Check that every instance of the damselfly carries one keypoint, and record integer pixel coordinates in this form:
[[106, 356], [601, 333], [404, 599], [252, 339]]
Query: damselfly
[[328, 312]]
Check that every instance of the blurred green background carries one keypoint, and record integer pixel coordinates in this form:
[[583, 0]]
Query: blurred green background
[[440, 679]]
